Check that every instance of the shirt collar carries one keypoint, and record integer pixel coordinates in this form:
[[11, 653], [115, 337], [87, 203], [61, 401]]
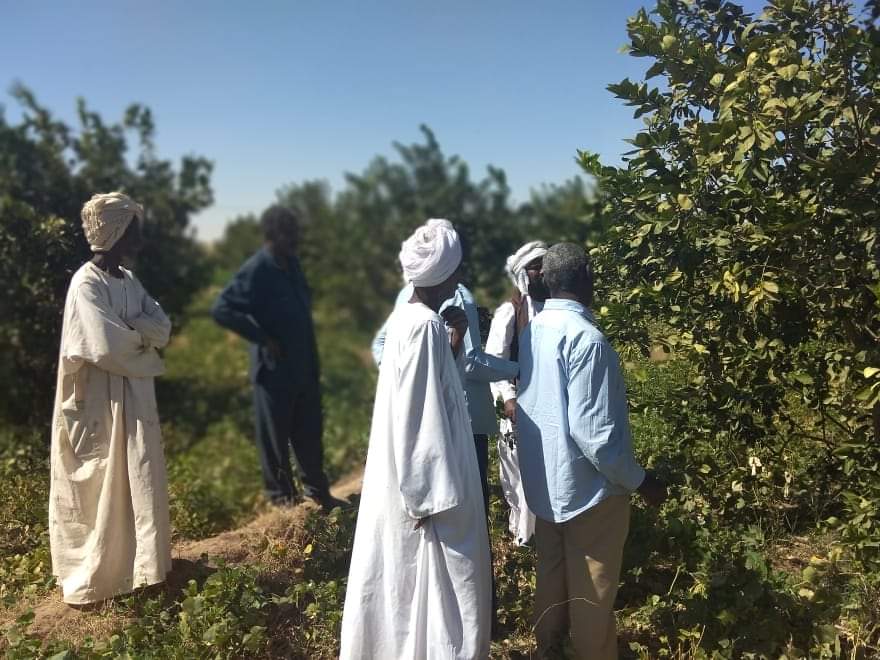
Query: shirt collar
[[570, 306], [270, 259], [267, 257]]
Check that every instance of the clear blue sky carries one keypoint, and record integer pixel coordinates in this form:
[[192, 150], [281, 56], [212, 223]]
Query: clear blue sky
[[278, 92]]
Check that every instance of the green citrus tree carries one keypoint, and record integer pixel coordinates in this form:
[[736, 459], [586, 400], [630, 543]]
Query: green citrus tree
[[746, 222]]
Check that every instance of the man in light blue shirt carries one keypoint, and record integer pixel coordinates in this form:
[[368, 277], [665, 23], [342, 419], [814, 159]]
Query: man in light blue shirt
[[576, 460]]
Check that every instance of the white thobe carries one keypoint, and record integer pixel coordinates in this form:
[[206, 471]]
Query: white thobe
[[521, 521], [108, 503], [419, 593]]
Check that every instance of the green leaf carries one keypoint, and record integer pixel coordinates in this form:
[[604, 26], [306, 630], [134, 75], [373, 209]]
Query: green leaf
[[827, 634], [870, 372], [656, 69], [803, 378], [745, 146], [864, 394], [788, 72]]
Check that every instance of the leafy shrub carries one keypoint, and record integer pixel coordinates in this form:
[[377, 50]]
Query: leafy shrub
[[25, 567], [745, 239]]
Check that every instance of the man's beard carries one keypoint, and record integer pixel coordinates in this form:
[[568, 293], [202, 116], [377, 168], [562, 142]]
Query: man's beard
[[538, 290]]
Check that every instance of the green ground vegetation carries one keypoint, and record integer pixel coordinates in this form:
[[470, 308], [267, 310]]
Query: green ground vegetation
[[699, 573]]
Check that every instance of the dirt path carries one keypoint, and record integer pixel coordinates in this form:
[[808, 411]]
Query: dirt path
[[246, 544]]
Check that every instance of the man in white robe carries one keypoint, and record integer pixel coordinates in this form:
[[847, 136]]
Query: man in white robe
[[108, 505], [508, 322], [419, 586]]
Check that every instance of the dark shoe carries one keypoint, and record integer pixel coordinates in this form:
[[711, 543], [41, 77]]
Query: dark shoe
[[327, 502]]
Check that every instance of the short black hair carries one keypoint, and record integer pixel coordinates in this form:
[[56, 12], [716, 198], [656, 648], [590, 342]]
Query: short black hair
[[276, 219], [564, 268]]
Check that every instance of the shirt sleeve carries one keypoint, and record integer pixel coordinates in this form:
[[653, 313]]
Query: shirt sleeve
[[378, 345], [236, 305], [152, 322], [95, 334], [501, 334], [598, 415], [425, 442], [479, 366]]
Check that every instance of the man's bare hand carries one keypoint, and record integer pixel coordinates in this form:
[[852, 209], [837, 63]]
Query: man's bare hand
[[510, 410], [456, 319], [652, 490], [274, 349]]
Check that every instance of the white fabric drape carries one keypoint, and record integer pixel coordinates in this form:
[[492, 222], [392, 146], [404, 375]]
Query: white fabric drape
[[108, 506], [419, 593], [521, 521]]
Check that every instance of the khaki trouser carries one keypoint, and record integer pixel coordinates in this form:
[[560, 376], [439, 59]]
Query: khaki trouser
[[577, 576]]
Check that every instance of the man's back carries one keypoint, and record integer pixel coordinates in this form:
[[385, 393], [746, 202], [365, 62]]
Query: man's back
[[478, 368], [574, 438]]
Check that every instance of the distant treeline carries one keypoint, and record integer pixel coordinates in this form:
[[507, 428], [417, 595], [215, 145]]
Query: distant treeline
[[351, 237]]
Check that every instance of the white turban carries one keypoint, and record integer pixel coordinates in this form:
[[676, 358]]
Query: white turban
[[431, 254], [106, 217], [516, 263]]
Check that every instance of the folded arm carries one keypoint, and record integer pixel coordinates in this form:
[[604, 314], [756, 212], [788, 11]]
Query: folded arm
[[152, 323], [95, 334]]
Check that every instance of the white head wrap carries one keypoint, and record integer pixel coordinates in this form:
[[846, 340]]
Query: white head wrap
[[431, 254], [516, 263], [106, 217]]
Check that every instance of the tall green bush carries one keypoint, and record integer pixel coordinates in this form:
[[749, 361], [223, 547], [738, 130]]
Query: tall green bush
[[746, 239]]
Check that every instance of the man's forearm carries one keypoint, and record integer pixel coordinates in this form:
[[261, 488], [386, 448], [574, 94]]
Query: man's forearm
[[615, 462], [240, 323], [485, 368]]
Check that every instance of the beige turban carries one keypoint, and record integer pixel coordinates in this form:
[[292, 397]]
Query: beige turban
[[431, 254], [516, 263], [106, 217]]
